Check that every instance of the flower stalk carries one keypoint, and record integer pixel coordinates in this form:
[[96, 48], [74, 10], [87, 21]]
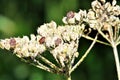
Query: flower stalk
[[85, 55], [69, 78], [116, 56]]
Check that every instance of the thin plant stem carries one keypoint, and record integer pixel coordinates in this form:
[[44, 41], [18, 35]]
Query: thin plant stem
[[90, 38], [49, 63], [69, 78], [104, 35], [116, 60], [84, 56], [115, 51], [118, 41], [39, 65]]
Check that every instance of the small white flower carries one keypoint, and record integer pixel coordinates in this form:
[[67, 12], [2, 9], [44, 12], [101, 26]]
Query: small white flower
[[74, 36], [25, 39], [91, 15], [82, 13], [93, 24], [2, 44], [60, 30], [24, 51], [33, 37], [114, 2], [41, 48], [107, 5], [38, 37], [116, 10], [42, 30], [52, 25], [49, 42], [5, 44], [103, 1], [95, 5], [65, 20], [77, 16], [71, 20], [66, 36]]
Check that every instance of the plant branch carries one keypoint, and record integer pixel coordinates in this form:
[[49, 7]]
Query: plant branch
[[69, 78], [116, 56], [90, 38], [84, 56], [49, 63], [39, 65], [118, 41], [99, 31]]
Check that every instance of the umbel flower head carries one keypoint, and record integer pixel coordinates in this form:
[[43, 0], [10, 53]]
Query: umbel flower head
[[60, 41], [104, 17]]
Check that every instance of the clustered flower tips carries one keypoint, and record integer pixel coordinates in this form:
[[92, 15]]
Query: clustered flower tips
[[74, 18], [102, 14], [61, 41], [23, 47], [105, 17]]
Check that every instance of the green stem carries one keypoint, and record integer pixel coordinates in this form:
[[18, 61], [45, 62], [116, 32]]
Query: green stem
[[116, 60]]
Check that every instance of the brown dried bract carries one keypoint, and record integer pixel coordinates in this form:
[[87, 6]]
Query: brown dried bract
[[12, 42], [58, 41], [42, 40], [70, 14]]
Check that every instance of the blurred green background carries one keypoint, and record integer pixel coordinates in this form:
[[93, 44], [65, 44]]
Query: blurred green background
[[22, 17]]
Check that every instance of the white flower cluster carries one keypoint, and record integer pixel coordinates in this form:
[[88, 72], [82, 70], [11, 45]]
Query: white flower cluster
[[105, 18], [75, 18], [103, 15], [61, 41], [24, 47]]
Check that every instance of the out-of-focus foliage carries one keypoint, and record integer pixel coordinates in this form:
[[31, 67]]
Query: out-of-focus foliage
[[18, 18]]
